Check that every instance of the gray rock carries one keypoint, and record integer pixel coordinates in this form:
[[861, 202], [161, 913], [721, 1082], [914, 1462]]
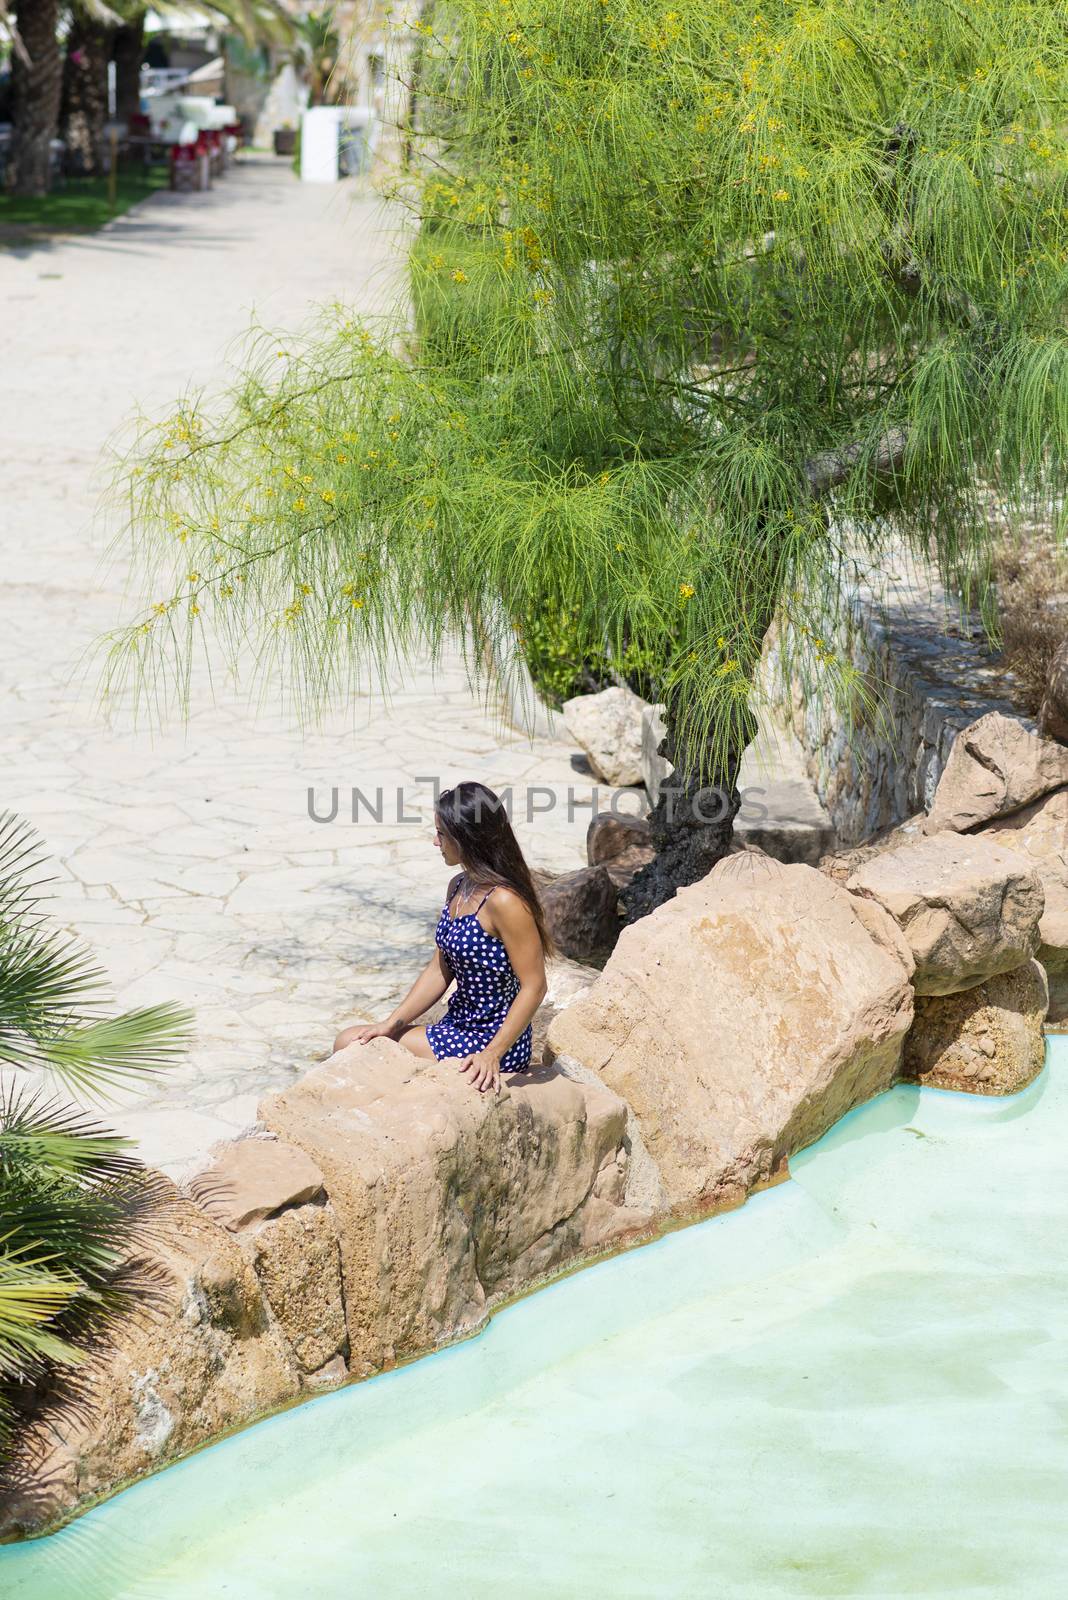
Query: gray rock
[[582, 912], [996, 766], [969, 908], [608, 727]]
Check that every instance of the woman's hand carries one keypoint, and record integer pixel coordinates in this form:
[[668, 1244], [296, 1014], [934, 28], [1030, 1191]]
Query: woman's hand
[[483, 1070], [377, 1030]]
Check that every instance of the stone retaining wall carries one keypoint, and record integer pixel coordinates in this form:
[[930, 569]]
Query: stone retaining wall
[[934, 675]]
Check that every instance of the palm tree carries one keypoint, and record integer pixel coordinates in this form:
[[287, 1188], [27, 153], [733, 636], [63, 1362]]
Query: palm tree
[[96, 28], [75, 1206], [36, 83], [321, 45], [84, 101]]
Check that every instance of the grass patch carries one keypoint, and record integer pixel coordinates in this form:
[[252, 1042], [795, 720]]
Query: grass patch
[[1031, 574], [82, 204]]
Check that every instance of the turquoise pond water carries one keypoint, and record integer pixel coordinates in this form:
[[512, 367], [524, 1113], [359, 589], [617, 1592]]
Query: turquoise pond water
[[855, 1385]]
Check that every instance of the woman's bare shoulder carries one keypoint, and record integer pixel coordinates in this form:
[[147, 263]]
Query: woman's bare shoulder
[[508, 907]]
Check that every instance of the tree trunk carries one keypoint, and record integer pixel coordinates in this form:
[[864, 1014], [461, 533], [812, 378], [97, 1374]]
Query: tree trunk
[[692, 823], [128, 53], [85, 93], [35, 91]]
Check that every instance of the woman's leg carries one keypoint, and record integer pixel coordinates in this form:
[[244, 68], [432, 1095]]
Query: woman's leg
[[417, 1042], [346, 1036], [414, 1040]]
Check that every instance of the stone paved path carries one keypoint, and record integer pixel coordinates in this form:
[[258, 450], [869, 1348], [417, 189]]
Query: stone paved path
[[188, 859]]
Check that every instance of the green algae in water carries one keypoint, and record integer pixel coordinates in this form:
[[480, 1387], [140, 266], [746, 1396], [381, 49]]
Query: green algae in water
[[855, 1385]]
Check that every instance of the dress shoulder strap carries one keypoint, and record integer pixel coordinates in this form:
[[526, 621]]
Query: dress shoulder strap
[[485, 897]]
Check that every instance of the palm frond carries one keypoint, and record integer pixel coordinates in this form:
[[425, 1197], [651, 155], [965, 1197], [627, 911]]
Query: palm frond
[[51, 991], [32, 1297], [75, 1211]]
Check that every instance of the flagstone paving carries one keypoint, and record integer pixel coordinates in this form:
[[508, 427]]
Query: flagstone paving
[[188, 856]]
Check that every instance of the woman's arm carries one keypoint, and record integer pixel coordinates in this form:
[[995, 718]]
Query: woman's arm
[[430, 985], [514, 925]]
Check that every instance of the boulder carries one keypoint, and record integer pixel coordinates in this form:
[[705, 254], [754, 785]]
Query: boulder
[[448, 1200], [622, 845], [582, 912], [1053, 714], [841, 864], [968, 907], [566, 981], [625, 867], [297, 1259], [608, 727], [251, 1179], [987, 1040], [739, 1020], [609, 836], [1039, 834], [441, 1202], [996, 767]]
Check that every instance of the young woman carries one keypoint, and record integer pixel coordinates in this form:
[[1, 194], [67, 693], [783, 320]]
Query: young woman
[[491, 938]]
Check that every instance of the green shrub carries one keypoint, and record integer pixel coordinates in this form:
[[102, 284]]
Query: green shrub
[[563, 661]]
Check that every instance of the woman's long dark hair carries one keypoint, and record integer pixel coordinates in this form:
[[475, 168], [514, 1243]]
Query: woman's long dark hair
[[476, 820]]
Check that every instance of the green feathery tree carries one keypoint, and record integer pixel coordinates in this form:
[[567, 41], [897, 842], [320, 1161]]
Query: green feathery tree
[[76, 1208], [709, 304]]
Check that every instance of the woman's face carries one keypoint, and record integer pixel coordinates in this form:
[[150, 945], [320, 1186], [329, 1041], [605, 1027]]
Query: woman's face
[[450, 854]]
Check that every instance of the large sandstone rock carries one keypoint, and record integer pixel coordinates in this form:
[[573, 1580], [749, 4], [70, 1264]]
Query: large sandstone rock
[[608, 727], [1039, 834], [430, 1203], [1053, 714], [841, 864], [968, 907], [250, 1179], [996, 767], [447, 1199], [297, 1258], [739, 1020], [582, 912], [566, 980], [988, 1040]]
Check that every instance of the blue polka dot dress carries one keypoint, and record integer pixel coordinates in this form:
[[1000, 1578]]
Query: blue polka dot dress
[[485, 988]]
